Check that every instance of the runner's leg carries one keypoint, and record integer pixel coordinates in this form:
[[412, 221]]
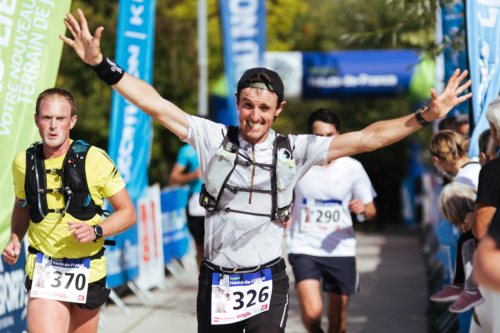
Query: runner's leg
[[83, 320], [337, 312], [47, 316], [311, 304]]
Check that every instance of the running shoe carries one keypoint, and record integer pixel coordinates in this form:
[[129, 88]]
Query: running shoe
[[448, 294], [466, 302]]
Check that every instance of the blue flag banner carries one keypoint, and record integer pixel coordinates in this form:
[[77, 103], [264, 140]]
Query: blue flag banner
[[244, 33], [176, 237], [453, 22], [483, 48], [131, 130], [13, 296]]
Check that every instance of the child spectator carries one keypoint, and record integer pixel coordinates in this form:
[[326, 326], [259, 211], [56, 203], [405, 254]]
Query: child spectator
[[456, 204]]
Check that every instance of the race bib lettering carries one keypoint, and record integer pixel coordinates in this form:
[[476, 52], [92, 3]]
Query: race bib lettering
[[320, 215], [60, 280], [236, 297]]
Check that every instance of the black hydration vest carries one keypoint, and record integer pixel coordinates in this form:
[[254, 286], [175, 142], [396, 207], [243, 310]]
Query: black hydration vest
[[224, 162], [77, 199]]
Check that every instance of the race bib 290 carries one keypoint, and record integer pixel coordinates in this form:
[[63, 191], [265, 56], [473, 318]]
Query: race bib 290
[[320, 215]]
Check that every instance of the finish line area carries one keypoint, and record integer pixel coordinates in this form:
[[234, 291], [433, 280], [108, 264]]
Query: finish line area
[[392, 298]]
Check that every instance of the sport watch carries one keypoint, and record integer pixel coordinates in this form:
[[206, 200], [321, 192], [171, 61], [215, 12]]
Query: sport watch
[[422, 122], [98, 232]]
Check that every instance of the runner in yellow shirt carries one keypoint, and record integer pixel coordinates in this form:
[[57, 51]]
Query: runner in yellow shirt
[[60, 185]]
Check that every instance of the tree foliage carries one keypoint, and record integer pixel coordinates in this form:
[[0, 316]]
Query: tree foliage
[[302, 25]]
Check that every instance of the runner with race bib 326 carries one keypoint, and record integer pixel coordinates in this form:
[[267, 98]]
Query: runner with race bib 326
[[249, 173]]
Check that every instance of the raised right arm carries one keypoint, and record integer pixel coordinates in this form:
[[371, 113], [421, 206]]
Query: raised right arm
[[136, 91]]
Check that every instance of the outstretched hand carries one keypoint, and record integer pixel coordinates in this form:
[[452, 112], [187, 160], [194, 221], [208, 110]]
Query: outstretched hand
[[444, 103], [86, 46]]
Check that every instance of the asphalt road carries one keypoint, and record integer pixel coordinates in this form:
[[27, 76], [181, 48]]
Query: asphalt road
[[392, 298]]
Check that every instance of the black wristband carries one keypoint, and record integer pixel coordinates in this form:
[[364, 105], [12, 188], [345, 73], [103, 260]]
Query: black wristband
[[108, 71], [422, 122]]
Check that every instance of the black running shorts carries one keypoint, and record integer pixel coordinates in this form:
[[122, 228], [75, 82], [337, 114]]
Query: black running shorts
[[272, 321], [97, 293], [196, 226], [338, 273]]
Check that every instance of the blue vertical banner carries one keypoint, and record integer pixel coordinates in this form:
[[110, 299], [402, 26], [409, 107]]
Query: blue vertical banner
[[453, 25], [483, 50], [13, 295], [244, 31], [131, 130]]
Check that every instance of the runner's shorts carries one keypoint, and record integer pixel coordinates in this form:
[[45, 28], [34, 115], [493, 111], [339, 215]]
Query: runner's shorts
[[272, 321], [339, 273], [196, 226], [97, 293]]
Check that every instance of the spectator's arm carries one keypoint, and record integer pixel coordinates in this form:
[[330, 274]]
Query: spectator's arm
[[178, 177], [486, 269], [484, 213]]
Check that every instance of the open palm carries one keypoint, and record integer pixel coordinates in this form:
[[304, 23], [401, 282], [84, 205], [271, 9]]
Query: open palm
[[444, 103], [85, 45]]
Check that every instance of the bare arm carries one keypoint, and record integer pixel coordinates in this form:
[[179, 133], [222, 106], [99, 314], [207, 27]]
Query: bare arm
[[483, 215], [138, 92], [384, 133], [368, 211], [178, 177], [122, 219], [19, 224], [486, 270]]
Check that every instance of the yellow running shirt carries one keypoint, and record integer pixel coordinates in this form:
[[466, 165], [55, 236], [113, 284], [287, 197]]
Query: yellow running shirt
[[51, 236]]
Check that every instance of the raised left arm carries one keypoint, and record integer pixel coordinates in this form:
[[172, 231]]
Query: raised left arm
[[384, 133]]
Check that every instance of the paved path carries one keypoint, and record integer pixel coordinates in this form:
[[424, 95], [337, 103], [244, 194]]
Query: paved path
[[393, 296]]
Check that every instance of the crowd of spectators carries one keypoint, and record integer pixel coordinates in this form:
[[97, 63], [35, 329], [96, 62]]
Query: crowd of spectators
[[469, 201]]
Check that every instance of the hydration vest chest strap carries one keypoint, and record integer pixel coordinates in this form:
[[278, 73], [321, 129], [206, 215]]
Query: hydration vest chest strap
[[222, 166]]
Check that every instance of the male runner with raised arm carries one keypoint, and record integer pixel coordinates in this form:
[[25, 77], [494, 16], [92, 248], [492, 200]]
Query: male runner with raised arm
[[60, 185], [249, 173]]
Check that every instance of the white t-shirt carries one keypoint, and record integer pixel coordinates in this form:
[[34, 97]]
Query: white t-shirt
[[242, 240], [469, 173], [339, 183]]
